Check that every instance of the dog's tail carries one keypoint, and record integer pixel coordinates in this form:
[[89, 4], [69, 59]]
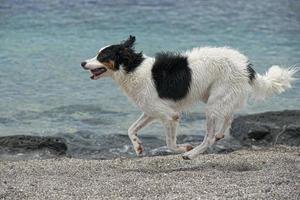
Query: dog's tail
[[275, 81]]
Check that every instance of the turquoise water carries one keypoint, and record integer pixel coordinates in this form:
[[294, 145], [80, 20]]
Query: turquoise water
[[44, 91]]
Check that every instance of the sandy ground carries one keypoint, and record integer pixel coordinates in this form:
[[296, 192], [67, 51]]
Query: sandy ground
[[244, 174]]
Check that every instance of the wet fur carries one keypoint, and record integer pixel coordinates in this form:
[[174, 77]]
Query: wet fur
[[164, 86]]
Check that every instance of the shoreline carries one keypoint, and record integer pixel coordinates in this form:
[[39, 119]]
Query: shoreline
[[242, 174], [255, 131]]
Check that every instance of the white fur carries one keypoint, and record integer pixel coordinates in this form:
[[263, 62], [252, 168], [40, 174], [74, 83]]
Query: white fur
[[219, 78], [276, 81]]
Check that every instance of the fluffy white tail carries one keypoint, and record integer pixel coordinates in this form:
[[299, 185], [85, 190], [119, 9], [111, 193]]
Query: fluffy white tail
[[275, 81]]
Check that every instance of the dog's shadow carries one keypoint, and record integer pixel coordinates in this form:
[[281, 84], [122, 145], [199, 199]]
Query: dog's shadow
[[232, 167]]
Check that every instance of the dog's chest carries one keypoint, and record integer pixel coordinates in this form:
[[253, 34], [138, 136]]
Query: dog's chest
[[136, 88]]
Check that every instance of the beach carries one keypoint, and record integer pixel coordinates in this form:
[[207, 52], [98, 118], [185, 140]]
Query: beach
[[65, 136], [243, 174], [259, 160]]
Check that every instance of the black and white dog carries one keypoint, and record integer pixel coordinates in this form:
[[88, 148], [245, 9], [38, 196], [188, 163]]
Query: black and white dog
[[164, 86]]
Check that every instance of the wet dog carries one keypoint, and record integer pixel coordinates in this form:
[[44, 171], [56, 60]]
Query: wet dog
[[170, 83]]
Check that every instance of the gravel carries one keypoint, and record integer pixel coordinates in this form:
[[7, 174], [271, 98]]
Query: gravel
[[243, 174]]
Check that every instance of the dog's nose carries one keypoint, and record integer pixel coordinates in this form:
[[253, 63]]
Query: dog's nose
[[83, 64]]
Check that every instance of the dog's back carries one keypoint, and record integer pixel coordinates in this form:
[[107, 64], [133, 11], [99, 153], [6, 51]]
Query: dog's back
[[214, 71]]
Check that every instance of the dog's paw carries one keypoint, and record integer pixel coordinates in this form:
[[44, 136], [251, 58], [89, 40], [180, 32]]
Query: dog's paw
[[139, 150], [182, 148], [186, 157], [219, 137], [189, 147]]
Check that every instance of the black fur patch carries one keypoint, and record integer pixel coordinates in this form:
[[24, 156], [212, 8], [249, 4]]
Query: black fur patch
[[251, 72], [172, 76], [122, 54], [109, 53], [130, 59]]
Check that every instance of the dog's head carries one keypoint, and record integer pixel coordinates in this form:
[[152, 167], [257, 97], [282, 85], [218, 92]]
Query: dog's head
[[110, 58]]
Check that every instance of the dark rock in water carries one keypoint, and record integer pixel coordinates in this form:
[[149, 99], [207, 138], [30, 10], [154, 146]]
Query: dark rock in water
[[266, 129], [24, 145]]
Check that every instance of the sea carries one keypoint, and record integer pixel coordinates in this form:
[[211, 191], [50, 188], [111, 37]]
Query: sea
[[45, 92]]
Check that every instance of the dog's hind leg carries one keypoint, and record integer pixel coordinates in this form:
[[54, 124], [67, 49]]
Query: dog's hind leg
[[170, 128], [209, 139], [219, 112], [142, 122], [216, 128], [225, 126]]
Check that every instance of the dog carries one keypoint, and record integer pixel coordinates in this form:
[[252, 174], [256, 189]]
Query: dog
[[166, 85]]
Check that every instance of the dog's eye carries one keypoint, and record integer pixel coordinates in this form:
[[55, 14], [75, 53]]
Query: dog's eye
[[102, 57]]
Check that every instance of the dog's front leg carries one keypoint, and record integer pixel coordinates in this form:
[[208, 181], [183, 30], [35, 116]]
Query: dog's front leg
[[142, 122]]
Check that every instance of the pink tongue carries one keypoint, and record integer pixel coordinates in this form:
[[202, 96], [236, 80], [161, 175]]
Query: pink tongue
[[98, 71]]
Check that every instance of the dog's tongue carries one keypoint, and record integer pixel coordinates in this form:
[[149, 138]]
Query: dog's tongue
[[98, 71]]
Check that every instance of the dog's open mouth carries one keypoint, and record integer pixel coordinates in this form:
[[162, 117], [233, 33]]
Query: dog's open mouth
[[97, 72]]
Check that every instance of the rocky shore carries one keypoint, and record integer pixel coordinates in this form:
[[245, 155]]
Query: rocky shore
[[248, 132]]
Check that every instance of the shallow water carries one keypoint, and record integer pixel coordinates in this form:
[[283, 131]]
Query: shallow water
[[44, 91]]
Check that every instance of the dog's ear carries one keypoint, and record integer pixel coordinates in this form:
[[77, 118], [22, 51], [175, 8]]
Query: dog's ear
[[129, 43]]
